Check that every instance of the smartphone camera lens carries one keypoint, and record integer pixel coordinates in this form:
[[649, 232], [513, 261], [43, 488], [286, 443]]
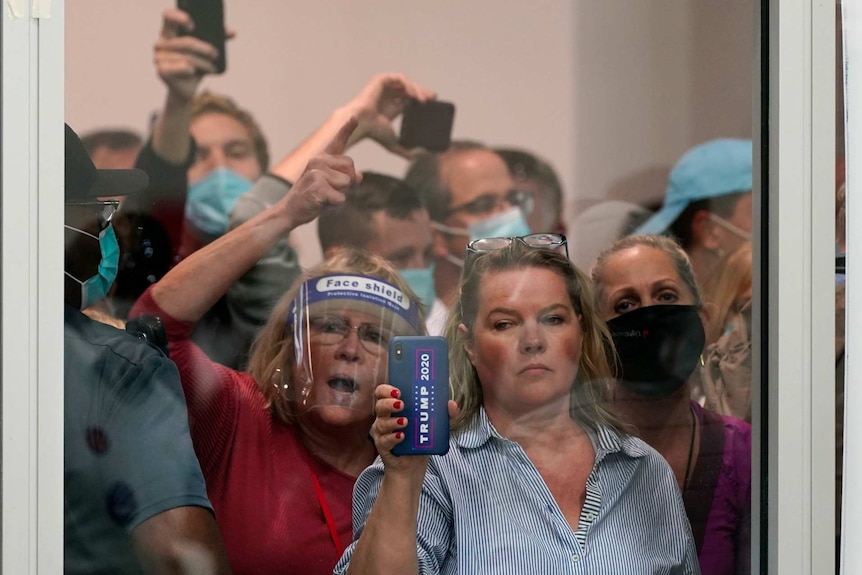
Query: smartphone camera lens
[[399, 351]]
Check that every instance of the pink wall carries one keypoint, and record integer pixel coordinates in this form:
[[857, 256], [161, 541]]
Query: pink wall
[[611, 91]]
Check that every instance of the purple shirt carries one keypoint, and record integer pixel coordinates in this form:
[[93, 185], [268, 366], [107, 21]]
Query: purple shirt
[[718, 495]]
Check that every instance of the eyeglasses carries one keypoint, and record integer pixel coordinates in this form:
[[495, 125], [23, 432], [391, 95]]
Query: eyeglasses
[[546, 241], [332, 330], [86, 212], [542, 241], [487, 203]]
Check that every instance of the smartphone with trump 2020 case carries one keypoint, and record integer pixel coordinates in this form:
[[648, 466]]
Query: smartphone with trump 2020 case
[[419, 368]]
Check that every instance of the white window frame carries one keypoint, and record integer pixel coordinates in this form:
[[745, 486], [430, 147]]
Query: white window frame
[[851, 551], [799, 352], [32, 288], [800, 349]]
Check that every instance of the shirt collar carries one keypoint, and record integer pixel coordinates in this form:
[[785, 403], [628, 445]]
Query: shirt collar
[[608, 440], [479, 430]]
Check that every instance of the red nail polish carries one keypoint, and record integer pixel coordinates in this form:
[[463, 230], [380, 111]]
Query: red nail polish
[[396, 405], [399, 435], [401, 421], [394, 393]]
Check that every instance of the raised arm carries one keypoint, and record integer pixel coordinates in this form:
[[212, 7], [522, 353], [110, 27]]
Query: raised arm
[[181, 63], [193, 286], [379, 102], [388, 540]]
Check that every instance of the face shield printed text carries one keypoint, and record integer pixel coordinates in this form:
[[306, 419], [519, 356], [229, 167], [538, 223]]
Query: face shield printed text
[[362, 285], [360, 289]]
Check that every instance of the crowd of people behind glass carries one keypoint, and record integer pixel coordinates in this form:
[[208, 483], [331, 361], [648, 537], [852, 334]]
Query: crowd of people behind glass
[[600, 383]]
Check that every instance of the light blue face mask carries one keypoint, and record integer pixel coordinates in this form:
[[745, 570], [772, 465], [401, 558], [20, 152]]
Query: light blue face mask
[[508, 224], [96, 287], [421, 281], [211, 200]]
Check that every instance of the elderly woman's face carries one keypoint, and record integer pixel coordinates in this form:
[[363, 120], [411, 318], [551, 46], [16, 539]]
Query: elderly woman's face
[[347, 360], [526, 340], [637, 277]]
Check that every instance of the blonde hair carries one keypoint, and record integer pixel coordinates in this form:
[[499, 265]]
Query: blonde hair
[[209, 103], [273, 361], [589, 397], [730, 279]]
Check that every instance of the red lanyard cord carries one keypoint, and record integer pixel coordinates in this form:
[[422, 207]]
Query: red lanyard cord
[[327, 514]]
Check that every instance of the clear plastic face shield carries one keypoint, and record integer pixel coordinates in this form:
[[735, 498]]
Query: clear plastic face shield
[[341, 326]]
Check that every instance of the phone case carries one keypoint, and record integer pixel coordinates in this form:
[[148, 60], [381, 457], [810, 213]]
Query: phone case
[[419, 368], [208, 16], [427, 125]]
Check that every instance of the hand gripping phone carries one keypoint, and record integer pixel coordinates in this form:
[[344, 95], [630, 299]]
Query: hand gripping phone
[[419, 368], [427, 125], [208, 16]]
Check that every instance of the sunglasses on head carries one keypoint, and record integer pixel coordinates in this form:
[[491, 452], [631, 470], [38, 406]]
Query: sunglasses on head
[[545, 241]]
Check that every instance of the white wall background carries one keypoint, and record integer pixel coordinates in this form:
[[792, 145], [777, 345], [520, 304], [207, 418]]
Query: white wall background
[[612, 92]]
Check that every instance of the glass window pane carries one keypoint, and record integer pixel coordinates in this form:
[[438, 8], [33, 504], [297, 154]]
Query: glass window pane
[[587, 393]]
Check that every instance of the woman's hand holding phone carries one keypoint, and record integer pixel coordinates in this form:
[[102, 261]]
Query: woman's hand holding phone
[[388, 431]]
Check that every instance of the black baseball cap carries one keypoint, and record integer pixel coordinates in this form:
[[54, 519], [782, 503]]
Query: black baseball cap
[[84, 181]]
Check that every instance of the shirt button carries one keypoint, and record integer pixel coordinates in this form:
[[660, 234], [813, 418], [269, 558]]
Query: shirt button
[[575, 558], [591, 516]]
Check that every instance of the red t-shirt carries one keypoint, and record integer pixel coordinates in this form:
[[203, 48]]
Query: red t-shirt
[[257, 471]]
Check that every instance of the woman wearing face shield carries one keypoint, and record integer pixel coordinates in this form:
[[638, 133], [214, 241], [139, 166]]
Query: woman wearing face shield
[[646, 291], [539, 476], [280, 446]]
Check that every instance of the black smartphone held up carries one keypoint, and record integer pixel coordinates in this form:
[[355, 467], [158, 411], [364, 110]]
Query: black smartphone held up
[[208, 16], [419, 368], [427, 125]]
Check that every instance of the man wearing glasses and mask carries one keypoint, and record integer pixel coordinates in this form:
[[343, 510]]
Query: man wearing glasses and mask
[[469, 194]]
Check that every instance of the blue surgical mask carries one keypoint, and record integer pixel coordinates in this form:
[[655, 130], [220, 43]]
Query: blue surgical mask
[[421, 281], [508, 224], [96, 287], [211, 200]]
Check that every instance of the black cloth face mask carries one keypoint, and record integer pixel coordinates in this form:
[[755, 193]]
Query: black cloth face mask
[[658, 348]]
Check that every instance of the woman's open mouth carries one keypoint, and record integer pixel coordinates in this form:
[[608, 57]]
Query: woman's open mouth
[[343, 384]]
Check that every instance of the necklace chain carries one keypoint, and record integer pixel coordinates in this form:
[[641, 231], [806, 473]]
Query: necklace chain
[[690, 449]]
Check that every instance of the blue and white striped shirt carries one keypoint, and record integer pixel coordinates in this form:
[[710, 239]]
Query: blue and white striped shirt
[[484, 508]]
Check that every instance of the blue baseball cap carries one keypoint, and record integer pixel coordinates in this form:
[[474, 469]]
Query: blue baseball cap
[[709, 170]]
